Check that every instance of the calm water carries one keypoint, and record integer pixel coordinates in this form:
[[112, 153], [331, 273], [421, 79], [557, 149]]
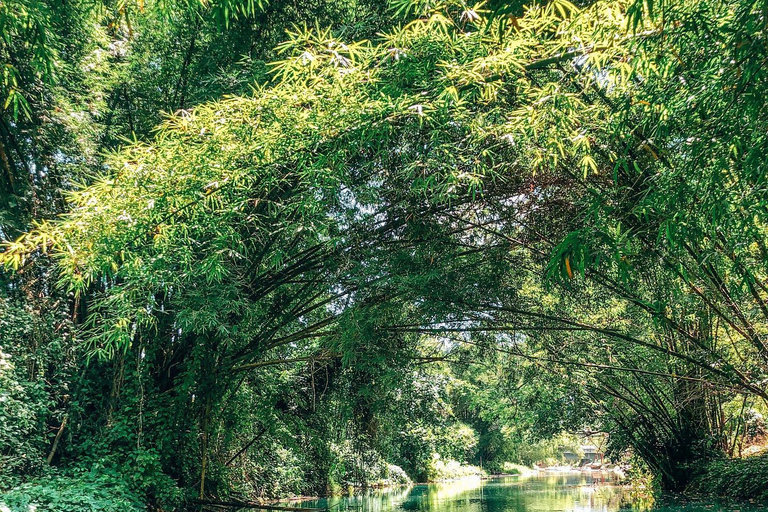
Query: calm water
[[550, 493]]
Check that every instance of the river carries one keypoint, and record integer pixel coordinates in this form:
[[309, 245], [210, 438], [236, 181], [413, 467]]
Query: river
[[574, 492]]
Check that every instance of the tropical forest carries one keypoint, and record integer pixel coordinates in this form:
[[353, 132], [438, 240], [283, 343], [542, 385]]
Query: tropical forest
[[383, 255]]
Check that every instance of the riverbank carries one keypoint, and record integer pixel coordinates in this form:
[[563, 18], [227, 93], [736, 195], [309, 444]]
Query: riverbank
[[737, 479]]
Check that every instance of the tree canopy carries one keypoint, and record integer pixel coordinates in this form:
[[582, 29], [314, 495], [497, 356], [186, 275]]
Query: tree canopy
[[450, 227]]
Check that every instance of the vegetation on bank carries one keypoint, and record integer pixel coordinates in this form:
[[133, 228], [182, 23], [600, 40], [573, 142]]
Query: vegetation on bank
[[737, 479], [510, 468], [258, 249], [440, 470], [79, 493]]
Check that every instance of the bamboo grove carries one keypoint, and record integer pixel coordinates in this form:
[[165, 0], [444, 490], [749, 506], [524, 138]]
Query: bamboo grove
[[563, 204]]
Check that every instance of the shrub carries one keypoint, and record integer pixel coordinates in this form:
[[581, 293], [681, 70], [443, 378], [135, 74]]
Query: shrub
[[91, 493], [448, 469], [20, 442], [741, 479], [509, 468], [397, 476]]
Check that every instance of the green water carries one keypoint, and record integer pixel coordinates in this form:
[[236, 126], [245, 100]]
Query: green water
[[546, 493]]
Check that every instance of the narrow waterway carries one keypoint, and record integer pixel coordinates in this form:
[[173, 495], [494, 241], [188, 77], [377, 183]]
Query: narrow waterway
[[574, 492]]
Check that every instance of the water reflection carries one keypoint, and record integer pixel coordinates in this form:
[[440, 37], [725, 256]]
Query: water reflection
[[551, 493], [567, 492], [389, 500]]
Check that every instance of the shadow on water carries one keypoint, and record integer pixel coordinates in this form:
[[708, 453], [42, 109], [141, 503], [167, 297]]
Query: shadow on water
[[566, 492]]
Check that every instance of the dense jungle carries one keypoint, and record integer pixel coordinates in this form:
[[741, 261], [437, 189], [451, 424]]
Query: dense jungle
[[262, 249]]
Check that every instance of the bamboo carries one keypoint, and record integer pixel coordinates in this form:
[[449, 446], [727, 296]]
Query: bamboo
[[56, 440]]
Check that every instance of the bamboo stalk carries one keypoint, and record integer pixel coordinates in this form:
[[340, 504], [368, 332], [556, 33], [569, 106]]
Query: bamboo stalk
[[56, 440]]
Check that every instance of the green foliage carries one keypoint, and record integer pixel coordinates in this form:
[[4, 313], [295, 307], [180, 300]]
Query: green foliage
[[439, 469], [739, 479], [549, 451], [92, 492], [510, 468], [36, 374], [25, 26], [460, 237], [20, 422]]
